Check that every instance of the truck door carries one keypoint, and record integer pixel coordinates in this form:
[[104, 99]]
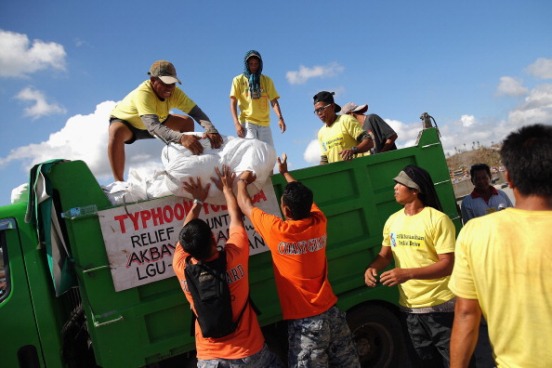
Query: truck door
[[19, 342]]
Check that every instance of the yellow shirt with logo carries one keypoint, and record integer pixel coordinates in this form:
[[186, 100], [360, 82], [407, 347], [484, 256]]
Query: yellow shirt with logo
[[504, 260], [144, 101], [256, 111], [341, 135], [416, 241]]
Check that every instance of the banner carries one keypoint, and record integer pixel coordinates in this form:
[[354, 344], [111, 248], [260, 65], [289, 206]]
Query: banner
[[140, 238]]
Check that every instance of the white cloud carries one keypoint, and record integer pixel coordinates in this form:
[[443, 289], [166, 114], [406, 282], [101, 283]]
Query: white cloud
[[19, 57], [537, 107], [541, 68], [40, 107], [510, 86], [84, 137], [305, 73], [467, 120], [312, 152]]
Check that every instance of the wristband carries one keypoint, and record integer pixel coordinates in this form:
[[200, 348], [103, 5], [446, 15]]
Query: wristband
[[355, 150], [280, 118], [245, 181], [197, 201]]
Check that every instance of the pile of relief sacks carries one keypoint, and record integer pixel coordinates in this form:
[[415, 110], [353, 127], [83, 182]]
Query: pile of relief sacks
[[180, 165]]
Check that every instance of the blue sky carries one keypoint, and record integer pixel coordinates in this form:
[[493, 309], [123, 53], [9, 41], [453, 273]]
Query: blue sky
[[480, 68]]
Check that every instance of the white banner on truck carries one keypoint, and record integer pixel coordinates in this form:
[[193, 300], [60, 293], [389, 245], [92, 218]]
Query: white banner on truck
[[140, 239]]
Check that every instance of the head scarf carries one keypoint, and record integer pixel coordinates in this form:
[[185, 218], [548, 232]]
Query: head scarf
[[427, 193], [254, 78]]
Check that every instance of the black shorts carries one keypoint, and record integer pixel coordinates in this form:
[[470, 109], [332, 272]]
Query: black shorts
[[137, 134]]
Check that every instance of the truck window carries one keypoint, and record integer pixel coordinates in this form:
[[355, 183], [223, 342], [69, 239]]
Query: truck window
[[4, 272]]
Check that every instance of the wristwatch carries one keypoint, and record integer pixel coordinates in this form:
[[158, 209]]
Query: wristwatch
[[197, 201]]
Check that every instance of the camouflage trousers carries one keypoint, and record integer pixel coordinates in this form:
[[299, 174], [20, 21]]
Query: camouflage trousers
[[264, 358], [321, 341]]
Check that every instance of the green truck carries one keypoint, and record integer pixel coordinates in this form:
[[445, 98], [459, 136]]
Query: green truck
[[85, 283]]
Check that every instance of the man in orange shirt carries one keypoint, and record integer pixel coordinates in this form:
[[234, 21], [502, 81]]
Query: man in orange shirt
[[245, 347], [318, 331]]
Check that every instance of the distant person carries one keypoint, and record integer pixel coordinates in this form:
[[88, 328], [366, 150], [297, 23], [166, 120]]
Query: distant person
[[318, 332], [484, 198], [341, 138], [245, 347], [252, 92], [384, 136], [503, 262], [420, 238], [145, 113]]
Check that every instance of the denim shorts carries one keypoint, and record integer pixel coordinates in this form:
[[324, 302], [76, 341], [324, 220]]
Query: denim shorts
[[262, 133]]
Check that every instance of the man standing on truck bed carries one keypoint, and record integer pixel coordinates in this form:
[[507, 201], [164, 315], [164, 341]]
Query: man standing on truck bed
[[318, 332], [252, 92], [503, 259], [245, 347], [145, 113], [341, 138], [420, 238]]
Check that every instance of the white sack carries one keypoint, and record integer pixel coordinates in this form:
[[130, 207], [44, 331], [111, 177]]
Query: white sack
[[180, 165], [237, 153]]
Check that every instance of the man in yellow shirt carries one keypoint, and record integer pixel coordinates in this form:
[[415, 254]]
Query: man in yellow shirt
[[253, 91], [420, 238], [145, 113], [502, 268], [341, 138]]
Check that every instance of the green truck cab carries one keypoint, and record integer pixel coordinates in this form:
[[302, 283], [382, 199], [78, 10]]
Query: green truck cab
[[65, 300]]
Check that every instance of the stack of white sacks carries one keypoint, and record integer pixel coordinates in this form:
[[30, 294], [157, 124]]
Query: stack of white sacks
[[180, 165]]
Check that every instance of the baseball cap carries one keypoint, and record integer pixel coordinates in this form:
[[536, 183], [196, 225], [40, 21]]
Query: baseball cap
[[327, 97], [405, 180], [165, 71], [350, 107]]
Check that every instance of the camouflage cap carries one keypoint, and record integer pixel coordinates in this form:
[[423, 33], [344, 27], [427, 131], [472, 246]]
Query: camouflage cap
[[165, 71]]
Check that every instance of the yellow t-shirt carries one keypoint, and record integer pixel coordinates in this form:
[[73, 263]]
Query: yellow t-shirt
[[144, 101], [341, 135], [416, 241], [256, 111], [504, 260]]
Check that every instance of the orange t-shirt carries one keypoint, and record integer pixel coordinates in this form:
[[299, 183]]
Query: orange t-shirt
[[248, 338], [298, 250]]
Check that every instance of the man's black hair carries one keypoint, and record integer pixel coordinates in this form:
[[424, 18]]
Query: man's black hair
[[427, 193], [196, 238], [527, 155], [299, 199], [478, 167]]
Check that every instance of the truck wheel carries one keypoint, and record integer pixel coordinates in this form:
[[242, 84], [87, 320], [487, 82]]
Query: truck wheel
[[378, 336]]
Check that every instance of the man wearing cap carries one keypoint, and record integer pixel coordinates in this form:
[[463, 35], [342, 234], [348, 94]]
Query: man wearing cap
[[384, 136], [341, 138], [145, 113], [420, 238], [251, 91]]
